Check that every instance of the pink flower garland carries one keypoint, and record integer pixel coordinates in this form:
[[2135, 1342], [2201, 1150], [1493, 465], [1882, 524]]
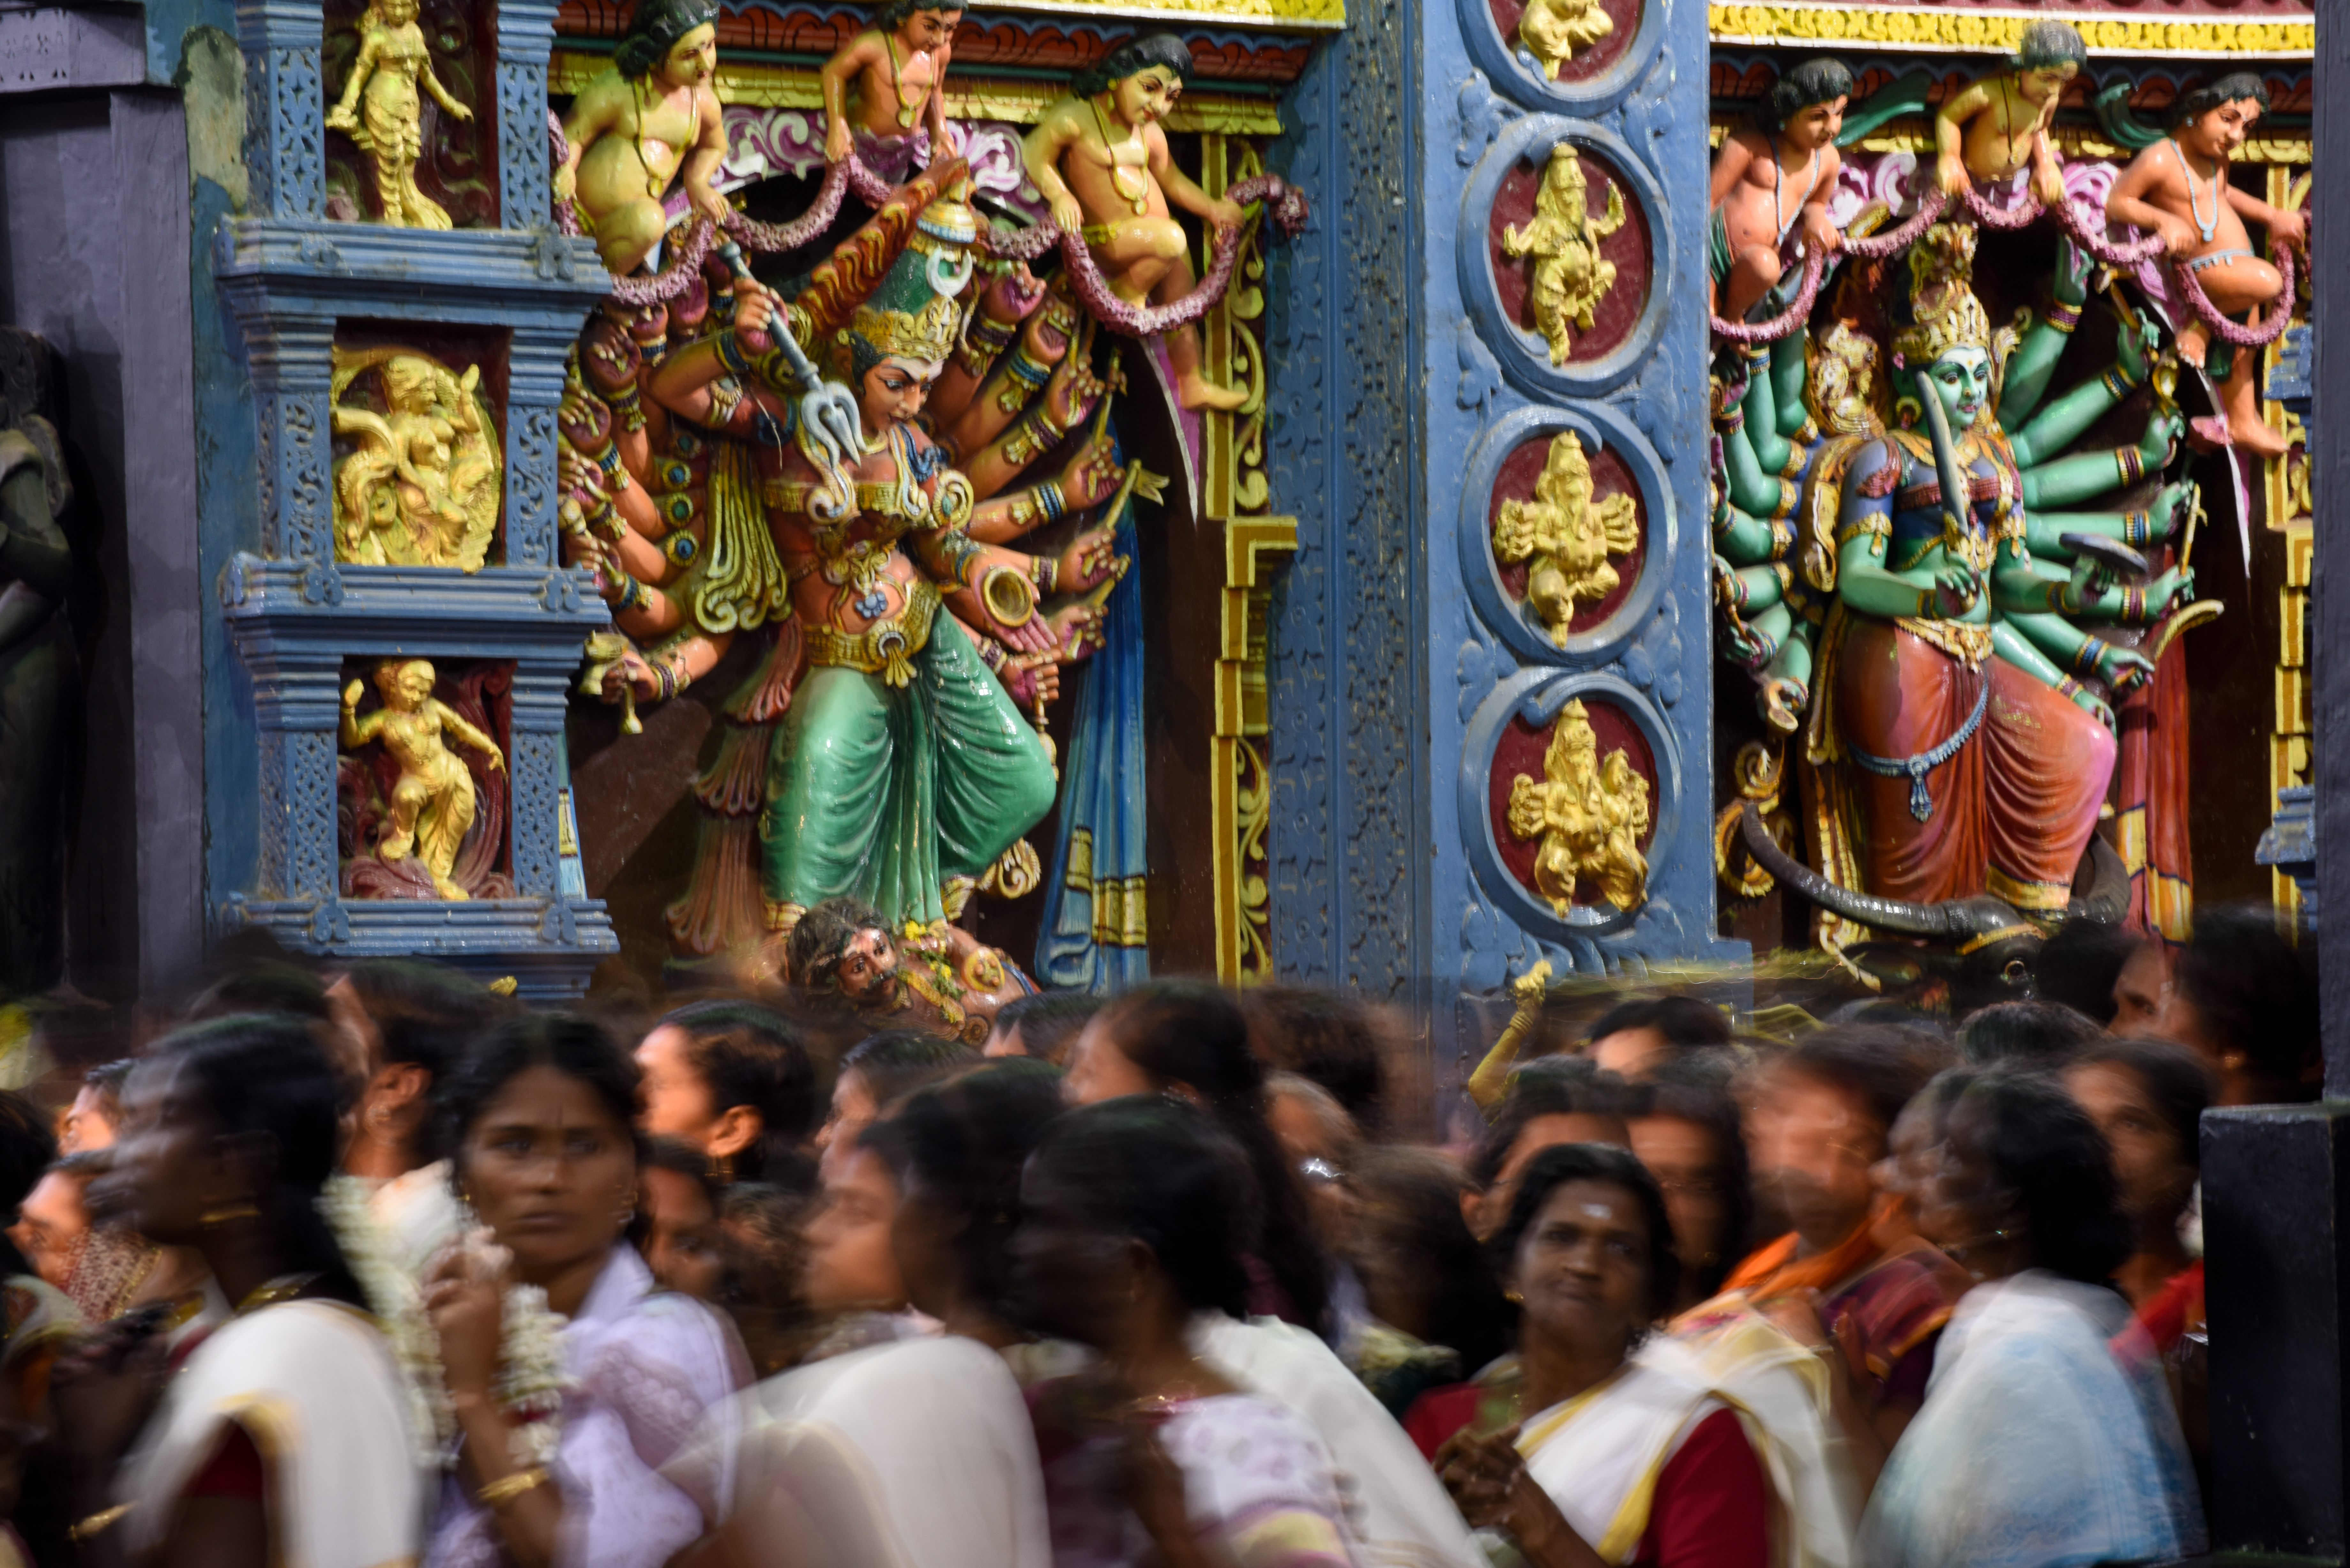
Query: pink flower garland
[[2279, 314], [1778, 326], [1286, 206]]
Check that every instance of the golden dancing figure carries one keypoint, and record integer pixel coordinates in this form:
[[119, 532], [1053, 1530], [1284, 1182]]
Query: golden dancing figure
[[392, 63], [1566, 537], [1570, 277], [432, 804], [1588, 815]]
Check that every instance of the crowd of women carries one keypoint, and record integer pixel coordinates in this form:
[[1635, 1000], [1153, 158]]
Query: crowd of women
[[352, 1269]]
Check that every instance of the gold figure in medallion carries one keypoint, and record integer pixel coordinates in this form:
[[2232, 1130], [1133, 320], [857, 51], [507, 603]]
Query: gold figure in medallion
[[1570, 277], [1566, 537], [432, 804], [1553, 30], [1588, 815], [380, 111]]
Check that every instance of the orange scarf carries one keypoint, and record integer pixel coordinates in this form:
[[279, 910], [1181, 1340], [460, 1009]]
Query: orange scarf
[[1775, 1270]]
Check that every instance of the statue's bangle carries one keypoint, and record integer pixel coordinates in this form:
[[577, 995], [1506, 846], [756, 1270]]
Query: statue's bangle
[[2067, 687], [730, 353], [2084, 658], [1044, 571], [987, 335], [664, 678], [992, 654], [1926, 606], [1732, 421], [2132, 604], [2137, 527], [1050, 499], [679, 676], [2132, 466], [2064, 318]]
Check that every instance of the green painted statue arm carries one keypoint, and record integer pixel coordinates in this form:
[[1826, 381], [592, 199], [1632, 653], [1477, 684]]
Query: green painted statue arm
[[1762, 405], [2069, 480], [2043, 531], [1741, 538], [2028, 641], [2033, 361], [1789, 366]]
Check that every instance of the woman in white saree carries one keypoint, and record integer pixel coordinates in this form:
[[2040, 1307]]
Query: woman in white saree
[[275, 1435], [916, 1453], [1624, 1457], [2036, 1446]]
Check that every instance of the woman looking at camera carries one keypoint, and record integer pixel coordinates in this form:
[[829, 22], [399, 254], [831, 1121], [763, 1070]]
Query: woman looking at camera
[[1619, 1458], [279, 1434], [558, 1459]]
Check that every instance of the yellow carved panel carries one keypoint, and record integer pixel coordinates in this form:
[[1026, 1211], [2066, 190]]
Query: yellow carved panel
[[1810, 23]]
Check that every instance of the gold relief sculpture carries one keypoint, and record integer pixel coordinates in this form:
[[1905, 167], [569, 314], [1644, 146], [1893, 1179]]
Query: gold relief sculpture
[[1587, 814], [382, 111], [1566, 537], [1553, 30], [432, 804], [1761, 771], [421, 486], [1570, 277]]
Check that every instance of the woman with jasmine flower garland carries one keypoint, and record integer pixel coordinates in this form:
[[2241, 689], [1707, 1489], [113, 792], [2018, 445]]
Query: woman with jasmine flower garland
[[560, 1464]]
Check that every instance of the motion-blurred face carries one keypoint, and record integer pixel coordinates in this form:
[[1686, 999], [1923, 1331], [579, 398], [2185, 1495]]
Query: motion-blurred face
[[169, 1168], [1960, 1206], [2141, 991], [1320, 1164], [87, 1124], [854, 1109], [1629, 1052], [1070, 1279], [852, 1265], [551, 1171], [1689, 1163], [1582, 1268], [2155, 1174], [1816, 125], [1099, 1070], [1813, 1143], [683, 1245], [1485, 1211], [50, 1227], [677, 1097]]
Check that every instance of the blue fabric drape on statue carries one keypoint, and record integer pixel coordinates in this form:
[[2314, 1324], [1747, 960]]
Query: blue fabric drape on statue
[[1094, 920]]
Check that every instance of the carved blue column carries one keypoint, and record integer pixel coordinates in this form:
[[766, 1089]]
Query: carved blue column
[[1632, 111], [286, 109], [525, 36], [296, 619]]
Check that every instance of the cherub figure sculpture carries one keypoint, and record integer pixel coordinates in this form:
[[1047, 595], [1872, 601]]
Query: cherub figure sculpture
[[1565, 538], [1999, 124], [643, 120], [1102, 162], [1553, 30], [1588, 817], [1771, 177], [432, 804], [2179, 188], [422, 484], [379, 109], [889, 83], [1570, 277]]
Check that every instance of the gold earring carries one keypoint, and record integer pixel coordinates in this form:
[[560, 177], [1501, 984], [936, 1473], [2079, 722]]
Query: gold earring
[[227, 1213], [1512, 1297]]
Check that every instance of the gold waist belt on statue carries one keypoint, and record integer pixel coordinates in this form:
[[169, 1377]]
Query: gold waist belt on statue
[[888, 647], [880, 499], [1967, 641]]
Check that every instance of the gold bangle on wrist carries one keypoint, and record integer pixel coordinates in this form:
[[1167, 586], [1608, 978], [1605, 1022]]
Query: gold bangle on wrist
[[97, 1522], [499, 1492]]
